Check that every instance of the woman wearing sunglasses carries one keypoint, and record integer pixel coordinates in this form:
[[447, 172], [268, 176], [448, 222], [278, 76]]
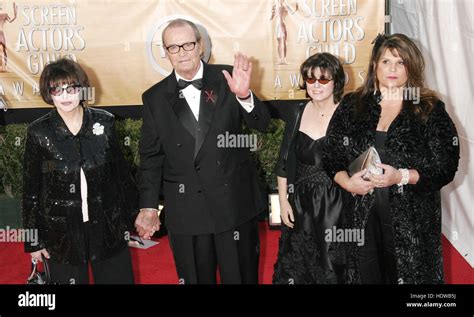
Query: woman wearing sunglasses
[[77, 192], [314, 204], [419, 148]]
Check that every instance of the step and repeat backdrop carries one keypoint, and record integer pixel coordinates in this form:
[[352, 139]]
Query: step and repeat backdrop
[[119, 42]]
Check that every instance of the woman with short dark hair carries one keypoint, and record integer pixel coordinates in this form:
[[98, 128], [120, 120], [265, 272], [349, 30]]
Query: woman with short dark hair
[[314, 203], [77, 191]]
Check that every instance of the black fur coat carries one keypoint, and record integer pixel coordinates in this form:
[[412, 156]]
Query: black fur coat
[[431, 147]]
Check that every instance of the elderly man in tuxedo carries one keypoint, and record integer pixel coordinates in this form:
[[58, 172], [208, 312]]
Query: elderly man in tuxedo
[[211, 192]]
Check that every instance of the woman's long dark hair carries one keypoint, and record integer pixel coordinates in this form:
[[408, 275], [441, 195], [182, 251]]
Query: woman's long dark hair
[[399, 45]]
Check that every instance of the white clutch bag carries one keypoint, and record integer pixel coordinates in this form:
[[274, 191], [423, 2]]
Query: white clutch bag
[[366, 160]]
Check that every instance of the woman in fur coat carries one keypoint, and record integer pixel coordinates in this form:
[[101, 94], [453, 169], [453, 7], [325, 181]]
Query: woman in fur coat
[[399, 210]]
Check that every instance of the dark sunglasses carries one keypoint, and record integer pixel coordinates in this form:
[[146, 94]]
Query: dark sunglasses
[[322, 81], [70, 89]]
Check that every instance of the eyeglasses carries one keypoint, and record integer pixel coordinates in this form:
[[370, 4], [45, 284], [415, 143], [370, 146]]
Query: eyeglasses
[[322, 81], [70, 89], [173, 49]]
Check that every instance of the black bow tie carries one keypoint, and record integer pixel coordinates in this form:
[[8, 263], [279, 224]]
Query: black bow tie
[[197, 83]]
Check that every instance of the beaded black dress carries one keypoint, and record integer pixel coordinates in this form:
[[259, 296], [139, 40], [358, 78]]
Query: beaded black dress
[[306, 253]]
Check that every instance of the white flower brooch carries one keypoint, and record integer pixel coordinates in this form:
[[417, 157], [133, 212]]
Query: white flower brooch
[[98, 128]]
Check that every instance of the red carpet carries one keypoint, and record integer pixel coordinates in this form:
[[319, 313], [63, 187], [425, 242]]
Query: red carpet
[[156, 265]]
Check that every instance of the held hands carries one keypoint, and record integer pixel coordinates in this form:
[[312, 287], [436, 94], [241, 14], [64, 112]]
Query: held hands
[[239, 82], [147, 222], [391, 176], [37, 255], [286, 213]]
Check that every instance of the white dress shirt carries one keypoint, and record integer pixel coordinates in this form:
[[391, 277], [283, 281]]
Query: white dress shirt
[[85, 207], [193, 95]]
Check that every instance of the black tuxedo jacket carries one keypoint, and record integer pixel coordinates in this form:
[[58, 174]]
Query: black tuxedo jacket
[[207, 189]]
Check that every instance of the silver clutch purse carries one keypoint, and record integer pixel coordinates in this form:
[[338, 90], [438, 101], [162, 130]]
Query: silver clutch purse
[[366, 160]]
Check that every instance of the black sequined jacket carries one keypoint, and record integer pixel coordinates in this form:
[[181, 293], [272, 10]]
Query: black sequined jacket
[[431, 147], [52, 201]]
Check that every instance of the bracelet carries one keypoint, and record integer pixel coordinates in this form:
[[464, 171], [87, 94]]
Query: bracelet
[[249, 95], [405, 176], [149, 209]]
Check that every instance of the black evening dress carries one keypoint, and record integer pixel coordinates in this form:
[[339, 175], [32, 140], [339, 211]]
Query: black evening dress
[[377, 259], [305, 255]]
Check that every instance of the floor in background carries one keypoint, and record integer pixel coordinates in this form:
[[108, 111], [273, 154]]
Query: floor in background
[[156, 265]]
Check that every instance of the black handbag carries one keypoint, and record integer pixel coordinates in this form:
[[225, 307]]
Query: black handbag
[[37, 277]]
